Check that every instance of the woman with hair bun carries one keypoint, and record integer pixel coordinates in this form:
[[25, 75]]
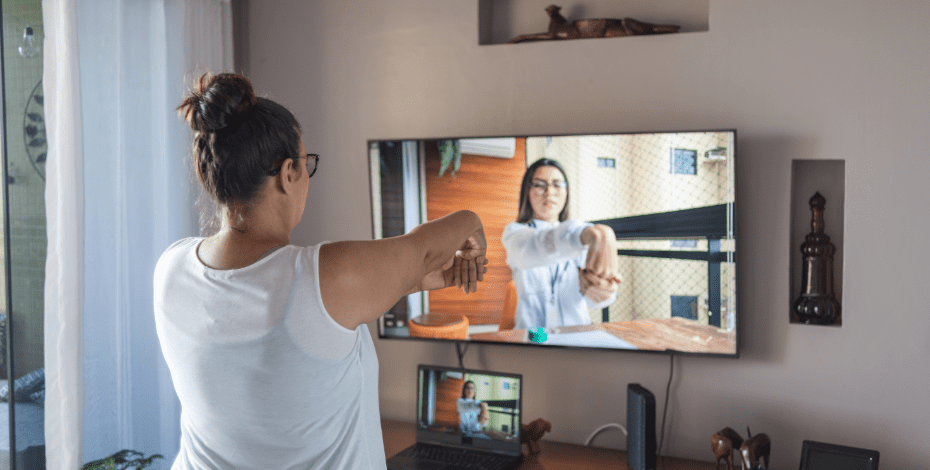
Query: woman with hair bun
[[267, 342]]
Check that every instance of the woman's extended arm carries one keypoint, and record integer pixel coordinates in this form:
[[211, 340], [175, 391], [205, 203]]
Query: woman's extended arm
[[457, 272], [528, 247], [484, 417], [599, 280], [361, 280], [602, 252], [598, 292]]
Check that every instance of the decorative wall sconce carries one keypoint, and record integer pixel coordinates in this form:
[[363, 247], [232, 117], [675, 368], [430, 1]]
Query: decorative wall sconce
[[29, 47], [817, 302], [31, 44]]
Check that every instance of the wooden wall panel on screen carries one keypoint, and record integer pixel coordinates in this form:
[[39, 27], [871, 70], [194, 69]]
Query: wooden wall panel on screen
[[448, 392], [490, 187]]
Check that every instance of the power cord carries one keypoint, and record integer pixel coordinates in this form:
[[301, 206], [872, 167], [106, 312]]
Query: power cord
[[461, 352], [602, 428], [668, 386]]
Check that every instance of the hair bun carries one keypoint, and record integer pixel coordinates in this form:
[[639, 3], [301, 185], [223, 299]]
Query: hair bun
[[218, 102]]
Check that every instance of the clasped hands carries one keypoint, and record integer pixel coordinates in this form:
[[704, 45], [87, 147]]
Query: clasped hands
[[599, 279], [465, 269]]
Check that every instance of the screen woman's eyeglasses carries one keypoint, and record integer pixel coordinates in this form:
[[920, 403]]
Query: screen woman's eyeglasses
[[540, 186], [310, 169]]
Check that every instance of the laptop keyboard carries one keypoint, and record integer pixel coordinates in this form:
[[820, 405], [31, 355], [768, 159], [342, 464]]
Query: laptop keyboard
[[458, 457]]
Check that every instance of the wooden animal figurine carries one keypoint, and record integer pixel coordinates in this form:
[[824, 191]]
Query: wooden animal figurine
[[561, 28], [723, 443], [753, 449], [530, 434]]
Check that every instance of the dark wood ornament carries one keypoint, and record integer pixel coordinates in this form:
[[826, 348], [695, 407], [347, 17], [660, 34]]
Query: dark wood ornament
[[530, 434], [817, 303], [561, 28], [755, 451], [723, 443]]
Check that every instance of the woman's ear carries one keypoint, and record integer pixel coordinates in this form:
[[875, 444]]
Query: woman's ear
[[289, 176]]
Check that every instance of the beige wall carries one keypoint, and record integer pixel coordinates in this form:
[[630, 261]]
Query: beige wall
[[811, 79]]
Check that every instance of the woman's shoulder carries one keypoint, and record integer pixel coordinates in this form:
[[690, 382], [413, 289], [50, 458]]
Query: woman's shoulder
[[305, 254], [176, 258], [184, 244], [516, 227], [179, 249], [304, 260]]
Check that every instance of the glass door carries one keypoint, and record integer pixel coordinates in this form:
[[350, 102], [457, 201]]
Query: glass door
[[24, 240]]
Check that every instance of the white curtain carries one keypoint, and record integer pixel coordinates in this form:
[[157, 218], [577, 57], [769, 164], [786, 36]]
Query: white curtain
[[119, 192], [64, 190]]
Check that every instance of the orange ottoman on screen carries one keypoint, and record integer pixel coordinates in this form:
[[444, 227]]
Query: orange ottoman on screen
[[439, 325]]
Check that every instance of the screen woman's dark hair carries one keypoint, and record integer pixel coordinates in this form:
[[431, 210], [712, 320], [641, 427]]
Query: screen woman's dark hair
[[526, 209], [465, 384], [239, 137]]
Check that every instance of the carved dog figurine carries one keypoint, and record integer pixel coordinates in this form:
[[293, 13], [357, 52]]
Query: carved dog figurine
[[723, 443], [530, 434], [561, 28], [755, 448]]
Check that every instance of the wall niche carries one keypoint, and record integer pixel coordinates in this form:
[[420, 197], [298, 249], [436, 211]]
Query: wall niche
[[501, 20], [828, 179]]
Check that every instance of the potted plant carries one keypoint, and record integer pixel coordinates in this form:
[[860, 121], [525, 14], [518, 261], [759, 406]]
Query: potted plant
[[122, 460], [450, 153]]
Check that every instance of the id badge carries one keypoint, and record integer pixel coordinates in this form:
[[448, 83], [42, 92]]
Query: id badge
[[553, 316]]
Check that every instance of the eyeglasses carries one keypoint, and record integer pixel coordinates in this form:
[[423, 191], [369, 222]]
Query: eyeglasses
[[311, 170], [540, 186]]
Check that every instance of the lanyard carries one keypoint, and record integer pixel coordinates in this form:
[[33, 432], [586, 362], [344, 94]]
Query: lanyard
[[553, 280]]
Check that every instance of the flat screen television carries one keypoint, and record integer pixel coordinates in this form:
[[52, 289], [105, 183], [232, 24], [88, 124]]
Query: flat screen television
[[668, 196]]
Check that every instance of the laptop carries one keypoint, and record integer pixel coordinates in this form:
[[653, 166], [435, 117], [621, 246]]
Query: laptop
[[466, 419], [823, 456]]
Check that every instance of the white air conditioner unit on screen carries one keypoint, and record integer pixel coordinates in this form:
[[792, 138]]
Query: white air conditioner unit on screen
[[500, 147]]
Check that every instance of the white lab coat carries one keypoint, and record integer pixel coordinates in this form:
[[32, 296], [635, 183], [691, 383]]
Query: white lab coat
[[545, 259]]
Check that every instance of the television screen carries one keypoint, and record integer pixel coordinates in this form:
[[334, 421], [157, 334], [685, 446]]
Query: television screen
[[667, 196]]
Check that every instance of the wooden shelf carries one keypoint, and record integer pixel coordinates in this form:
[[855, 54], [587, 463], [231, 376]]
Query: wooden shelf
[[398, 435], [501, 20]]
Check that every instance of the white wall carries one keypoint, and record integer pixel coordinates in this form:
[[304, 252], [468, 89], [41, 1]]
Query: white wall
[[799, 79]]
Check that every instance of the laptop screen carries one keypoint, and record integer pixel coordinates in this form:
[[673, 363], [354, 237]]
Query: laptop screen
[[469, 408]]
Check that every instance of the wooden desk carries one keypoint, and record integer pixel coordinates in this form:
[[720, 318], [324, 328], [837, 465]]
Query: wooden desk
[[652, 334], [398, 435]]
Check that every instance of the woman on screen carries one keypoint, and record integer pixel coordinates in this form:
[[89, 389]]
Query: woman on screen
[[561, 267], [473, 413], [267, 342]]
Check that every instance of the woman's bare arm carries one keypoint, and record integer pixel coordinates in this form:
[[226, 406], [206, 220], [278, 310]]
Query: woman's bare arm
[[361, 280], [454, 273]]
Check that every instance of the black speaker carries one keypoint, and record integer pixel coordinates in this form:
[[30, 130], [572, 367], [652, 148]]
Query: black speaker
[[641, 428]]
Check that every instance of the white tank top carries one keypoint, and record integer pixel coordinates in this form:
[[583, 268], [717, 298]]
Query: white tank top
[[266, 378]]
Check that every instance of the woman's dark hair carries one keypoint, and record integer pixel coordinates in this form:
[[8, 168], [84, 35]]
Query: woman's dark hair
[[239, 137], [526, 209], [464, 385]]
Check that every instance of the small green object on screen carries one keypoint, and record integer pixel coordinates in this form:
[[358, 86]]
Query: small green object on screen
[[538, 334]]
